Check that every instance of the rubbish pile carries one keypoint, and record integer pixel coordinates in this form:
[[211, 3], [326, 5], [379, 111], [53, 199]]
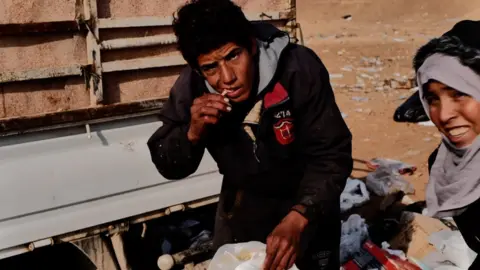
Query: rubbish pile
[[393, 239], [385, 179], [365, 243]]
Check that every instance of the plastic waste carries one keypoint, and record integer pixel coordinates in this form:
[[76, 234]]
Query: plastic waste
[[399, 253], [411, 111], [203, 237], [453, 248], [395, 165], [354, 234], [240, 256], [384, 182], [354, 194]]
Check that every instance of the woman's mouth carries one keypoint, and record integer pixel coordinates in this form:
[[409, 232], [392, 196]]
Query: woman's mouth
[[456, 134]]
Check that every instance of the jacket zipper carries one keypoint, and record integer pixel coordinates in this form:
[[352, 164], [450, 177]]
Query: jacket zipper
[[253, 136]]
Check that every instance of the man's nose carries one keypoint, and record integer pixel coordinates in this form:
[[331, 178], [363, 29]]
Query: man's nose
[[448, 110], [227, 74]]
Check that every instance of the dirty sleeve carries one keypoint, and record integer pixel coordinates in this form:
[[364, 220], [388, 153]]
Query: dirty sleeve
[[174, 156], [325, 140]]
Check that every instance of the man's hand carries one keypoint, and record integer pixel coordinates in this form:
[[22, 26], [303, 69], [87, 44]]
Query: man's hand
[[206, 110], [284, 241]]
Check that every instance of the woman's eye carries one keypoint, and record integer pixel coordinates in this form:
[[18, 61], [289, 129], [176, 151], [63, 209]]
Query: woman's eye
[[431, 99]]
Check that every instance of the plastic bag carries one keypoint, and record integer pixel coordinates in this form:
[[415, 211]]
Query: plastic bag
[[241, 256], [384, 182], [354, 234], [453, 248], [411, 111], [354, 194], [399, 253], [396, 166]]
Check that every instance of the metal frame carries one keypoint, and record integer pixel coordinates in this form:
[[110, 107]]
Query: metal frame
[[14, 29], [42, 73], [110, 229], [95, 82]]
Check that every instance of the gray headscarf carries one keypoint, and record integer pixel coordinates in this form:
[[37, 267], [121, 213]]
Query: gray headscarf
[[455, 175]]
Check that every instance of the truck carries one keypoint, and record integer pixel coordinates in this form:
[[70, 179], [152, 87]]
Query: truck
[[81, 85]]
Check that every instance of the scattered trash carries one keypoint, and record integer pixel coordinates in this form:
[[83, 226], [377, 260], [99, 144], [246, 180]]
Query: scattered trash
[[395, 166], [402, 97], [450, 247], [354, 194], [341, 52], [373, 61], [400, 83], [398, 253], [399, 39], [412, 153], [347, 17], [359, 110], [427, 139], [241, 256], [370, 69], [356, 87], [366, 76], [383, 181], [347, 68], [360, 81], [354, 234], [360, 99], [373, 257], [202, 238], [344, 115], [336, 76], [427, 124]]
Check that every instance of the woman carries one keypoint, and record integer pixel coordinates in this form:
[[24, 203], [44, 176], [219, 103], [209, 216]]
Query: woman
[[448, 75]]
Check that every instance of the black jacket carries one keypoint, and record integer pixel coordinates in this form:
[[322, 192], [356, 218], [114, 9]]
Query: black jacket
[[302, 153]]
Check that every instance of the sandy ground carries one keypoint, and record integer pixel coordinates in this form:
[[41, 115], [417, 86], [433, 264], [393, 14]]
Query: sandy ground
[[377, 44]]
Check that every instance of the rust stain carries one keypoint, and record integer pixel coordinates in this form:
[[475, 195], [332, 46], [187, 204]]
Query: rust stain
[[53, 100], [2, 103], [40, 27]]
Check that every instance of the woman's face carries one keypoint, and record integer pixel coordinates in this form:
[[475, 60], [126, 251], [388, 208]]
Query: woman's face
[[456, 114]]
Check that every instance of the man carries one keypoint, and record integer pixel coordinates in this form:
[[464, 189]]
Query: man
[[265, 110]]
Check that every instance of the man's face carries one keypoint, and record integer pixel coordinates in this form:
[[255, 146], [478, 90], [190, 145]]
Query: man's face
[[456, 114], [230, 68]]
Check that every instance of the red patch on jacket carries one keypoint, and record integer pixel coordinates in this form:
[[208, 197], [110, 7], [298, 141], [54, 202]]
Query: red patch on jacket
[[284, 131], [276, 96]]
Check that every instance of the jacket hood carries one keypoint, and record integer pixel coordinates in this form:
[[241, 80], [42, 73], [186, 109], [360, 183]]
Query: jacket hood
[[271, 42], [462, 42]]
